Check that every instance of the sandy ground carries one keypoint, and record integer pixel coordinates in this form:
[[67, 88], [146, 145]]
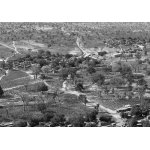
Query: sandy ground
[[92, 103]]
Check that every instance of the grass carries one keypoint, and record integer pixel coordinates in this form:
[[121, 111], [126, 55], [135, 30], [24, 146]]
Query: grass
[[12, 79], [69, 109], [4, 51]]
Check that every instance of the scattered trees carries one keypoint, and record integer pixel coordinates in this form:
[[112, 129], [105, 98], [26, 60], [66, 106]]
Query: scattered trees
[[36, 70], [91, 70], [98, 78]]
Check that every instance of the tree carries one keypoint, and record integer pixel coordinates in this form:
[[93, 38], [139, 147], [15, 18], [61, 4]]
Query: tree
[[48, 53], [41, 52], [58, 120], [63, 74], [42, 62], [24, 98], [83, 99], [132, 122], [3, 58], [78, 121], [146, 123], [42, 87], [36, 70], [26, 86], [116, 82], [98, 78], [105, 118], [91, 70], [138, 57], [68, 56], [79, 86], [46, 69], [142, 86], [125, 71], [92, 116], [1, 91], [136, 111], [41, 107]]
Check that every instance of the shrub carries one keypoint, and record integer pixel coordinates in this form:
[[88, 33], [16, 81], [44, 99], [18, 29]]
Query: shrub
[[98, 78], [38, 87], [89, 124], [79, 87], [145, 110], [78, 121], [136, 111], [48, 116], [146, 123], [132, 122], [42, 87], [105, 118], [41, 107], [20, 123], [123, 115], [148, 72], [58, 120], [91, 70], [91, 117], [1, 91], [35, 119]]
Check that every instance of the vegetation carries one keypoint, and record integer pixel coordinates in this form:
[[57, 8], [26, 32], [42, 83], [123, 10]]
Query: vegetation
[[100, 63]]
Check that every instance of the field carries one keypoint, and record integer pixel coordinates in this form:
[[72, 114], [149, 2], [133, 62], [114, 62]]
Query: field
[[6, 52], [14, 78]]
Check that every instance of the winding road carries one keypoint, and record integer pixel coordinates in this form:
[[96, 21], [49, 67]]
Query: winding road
[[92, 103]]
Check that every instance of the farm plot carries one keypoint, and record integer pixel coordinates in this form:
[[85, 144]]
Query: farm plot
[[109, 101], [10, 80], [6, 52]]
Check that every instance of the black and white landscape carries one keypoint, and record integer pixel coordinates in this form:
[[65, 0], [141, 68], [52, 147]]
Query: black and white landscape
[[71, 74]]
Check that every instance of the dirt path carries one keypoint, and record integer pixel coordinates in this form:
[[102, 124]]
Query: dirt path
[[7, 89], [85, 52], [92, 103], [15, 48], [6, 46]]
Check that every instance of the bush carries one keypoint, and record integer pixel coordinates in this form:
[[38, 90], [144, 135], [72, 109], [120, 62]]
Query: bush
[[105, 118], [78, 121], [38, 87], [1, 91], [102, 53], [123, 115], [20, 123], [89, 124], [91, 117], [48, 116], [58, 120], [136, 111], [79, 87], [34, 120], [132, 122], [145, 110], [98, 78], [146, 123], [41, 107], [148, 72], [91, 70], [42, 87]]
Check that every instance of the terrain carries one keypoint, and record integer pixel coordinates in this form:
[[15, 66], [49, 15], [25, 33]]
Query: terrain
[[74, 74]]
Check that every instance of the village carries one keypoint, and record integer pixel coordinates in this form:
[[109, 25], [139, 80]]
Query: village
[[104, 85]]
